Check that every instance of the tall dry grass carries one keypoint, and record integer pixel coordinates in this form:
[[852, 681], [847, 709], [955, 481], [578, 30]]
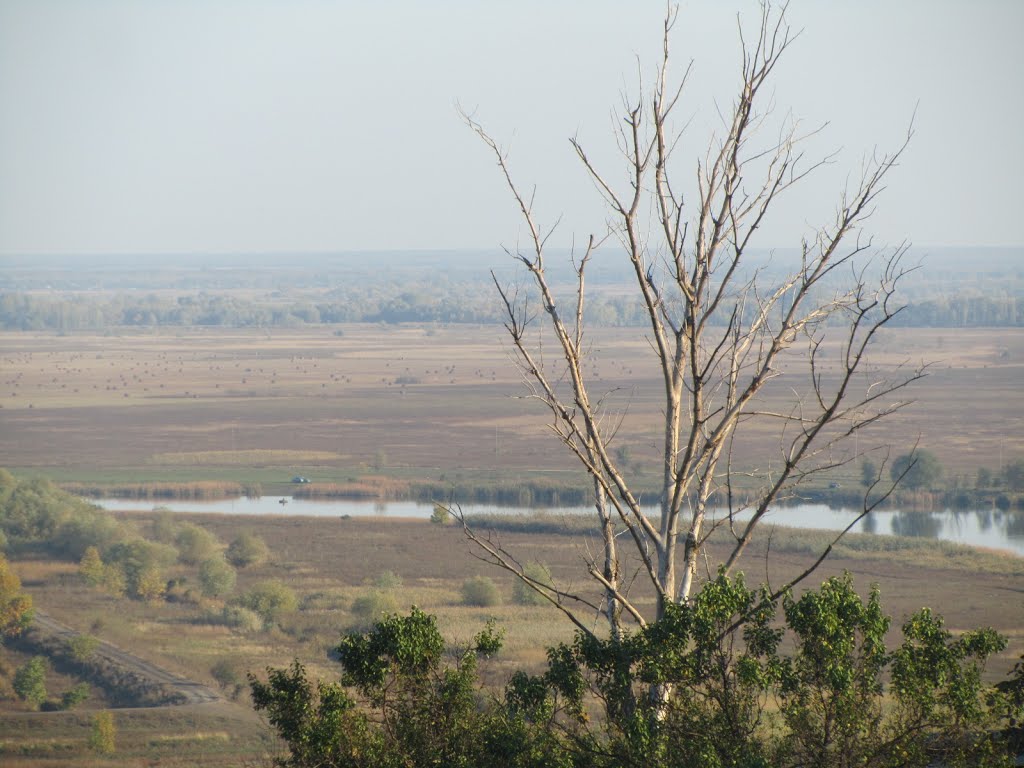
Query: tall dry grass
[[246, 458]]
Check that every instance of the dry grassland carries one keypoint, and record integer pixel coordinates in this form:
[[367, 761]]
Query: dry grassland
[[416, 401], [330, 562]]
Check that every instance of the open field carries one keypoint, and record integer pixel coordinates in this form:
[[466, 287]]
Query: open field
[[411, 401], [332, 562], [240, 409]]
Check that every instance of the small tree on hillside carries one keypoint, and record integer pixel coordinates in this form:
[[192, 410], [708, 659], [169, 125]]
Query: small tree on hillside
[[104, 733], [91, 567], [30, 681], [15, 606]]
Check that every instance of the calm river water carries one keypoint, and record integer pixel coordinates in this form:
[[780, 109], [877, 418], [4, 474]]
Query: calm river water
[[981, 528]]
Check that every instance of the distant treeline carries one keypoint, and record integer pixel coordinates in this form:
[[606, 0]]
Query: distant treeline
[[461, 303]]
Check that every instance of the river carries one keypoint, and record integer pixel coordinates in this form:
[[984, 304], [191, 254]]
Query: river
[[992, 528]]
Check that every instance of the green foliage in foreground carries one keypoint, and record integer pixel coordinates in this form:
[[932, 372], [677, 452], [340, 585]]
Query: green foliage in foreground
[[709, 685]]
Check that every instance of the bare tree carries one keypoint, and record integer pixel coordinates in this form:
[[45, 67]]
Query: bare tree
[[719, 331]]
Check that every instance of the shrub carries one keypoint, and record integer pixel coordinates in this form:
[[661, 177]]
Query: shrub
[[104, 733], [270, 599], [388, 580], [148, 584], [82, 647], [523, 594], [229, 677], [165, 526], [86, 527], [247, 550], [374, 605], [15, 606], [91, 567], [216, 577], [480, 591], [195, 544], [74, 696], [114, 581], [137, 554], [441, 515], [30, 681], [242, 619]]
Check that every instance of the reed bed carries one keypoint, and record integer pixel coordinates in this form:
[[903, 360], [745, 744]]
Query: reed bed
[[247, 458], [196, 491]]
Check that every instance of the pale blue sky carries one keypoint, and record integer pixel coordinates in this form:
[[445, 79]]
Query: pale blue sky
[[249, 125]]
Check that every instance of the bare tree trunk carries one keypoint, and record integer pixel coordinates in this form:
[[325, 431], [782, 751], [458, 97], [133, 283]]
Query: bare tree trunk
[[718, 332]]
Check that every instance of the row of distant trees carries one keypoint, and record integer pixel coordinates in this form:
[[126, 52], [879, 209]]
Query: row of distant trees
[[922, 470], [464, 303]]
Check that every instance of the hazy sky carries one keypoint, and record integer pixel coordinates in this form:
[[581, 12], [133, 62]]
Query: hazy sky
[[299, 125]]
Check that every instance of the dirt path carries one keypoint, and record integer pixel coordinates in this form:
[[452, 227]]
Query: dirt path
[[180, 690]]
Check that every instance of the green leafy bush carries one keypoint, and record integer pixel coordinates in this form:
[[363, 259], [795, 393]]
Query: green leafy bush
[[82, 647], [74, 696], [142, 564], [270, 599], [242, 619], [388, 580], [195, 544], [229, 677], [735, 684], [374, 604], [247, 550], [480, 591], [523, 594], [30, 681], [103, 738], [216, 577], [441, 515]]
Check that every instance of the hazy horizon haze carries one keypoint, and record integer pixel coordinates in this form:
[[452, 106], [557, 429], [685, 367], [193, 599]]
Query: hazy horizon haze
[[260, 126]]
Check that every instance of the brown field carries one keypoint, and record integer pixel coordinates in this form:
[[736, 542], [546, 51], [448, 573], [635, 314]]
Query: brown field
[[413, 401], [330, 562]]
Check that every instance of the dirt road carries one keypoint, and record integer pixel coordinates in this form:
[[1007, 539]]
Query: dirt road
[[154, 685]]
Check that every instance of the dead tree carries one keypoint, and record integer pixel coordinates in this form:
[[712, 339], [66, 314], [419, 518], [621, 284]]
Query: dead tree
[[719, 332]]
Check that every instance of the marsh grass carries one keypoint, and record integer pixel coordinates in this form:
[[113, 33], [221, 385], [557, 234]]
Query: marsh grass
[[916, 552], [247, 458], [204, 489]]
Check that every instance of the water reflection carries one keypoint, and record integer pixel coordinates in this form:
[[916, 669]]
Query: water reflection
[[992, 528], [921, 524], [985, 519], [1015, 524]]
